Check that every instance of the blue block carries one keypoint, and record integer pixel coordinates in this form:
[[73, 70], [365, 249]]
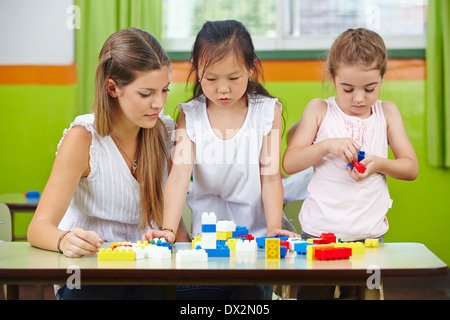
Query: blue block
[[219, 252], [240, 231], [208, 228], [300, 247], [361, 155], [283, 251]]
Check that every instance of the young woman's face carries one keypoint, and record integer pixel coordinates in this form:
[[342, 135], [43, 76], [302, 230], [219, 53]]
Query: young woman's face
[[225, 82], [357, 90], [142, 100]]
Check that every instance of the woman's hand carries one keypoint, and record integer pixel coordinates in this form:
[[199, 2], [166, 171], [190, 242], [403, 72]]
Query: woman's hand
[[78, 243]]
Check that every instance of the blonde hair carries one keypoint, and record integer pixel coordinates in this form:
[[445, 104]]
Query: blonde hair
[[123, 55], [358, 47]]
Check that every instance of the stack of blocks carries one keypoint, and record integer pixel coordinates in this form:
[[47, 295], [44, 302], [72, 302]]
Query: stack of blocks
[[209, 231]]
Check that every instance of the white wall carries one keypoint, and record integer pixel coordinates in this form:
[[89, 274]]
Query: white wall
[[35, 32]]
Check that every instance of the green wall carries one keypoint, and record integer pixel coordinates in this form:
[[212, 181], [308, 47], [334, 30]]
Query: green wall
[[32, 120]]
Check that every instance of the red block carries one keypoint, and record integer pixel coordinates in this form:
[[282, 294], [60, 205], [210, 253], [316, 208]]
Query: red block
[[333, 253], [329, 237], [358, 166]]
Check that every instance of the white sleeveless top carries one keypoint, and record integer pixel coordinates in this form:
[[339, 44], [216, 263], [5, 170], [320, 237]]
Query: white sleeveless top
[[108, 200], [226, 173], [336, 203]]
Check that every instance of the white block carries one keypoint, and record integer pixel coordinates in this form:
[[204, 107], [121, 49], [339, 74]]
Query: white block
[[155, 252], [191, 256], [246, 246], [226, 226], [209, 218]]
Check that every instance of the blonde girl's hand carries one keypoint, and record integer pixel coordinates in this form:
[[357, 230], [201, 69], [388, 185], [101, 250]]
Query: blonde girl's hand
[[370, 162], [152, 234], [78, 243], [345, 148]]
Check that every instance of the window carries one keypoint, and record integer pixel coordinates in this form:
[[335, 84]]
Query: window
[[298, 24]]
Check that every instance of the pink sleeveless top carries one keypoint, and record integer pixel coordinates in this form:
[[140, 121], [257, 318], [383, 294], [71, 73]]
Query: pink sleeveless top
[[336, 203]]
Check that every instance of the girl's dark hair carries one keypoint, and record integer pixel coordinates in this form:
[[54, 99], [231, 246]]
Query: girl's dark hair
[[215, 41]]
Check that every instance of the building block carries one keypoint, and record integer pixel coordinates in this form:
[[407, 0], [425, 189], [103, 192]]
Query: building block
[[357, 165], [123, 254], [372, 242], [240, 231], [157, 252], [283, 251], [246, 237], [310, 250], [191, 256], [218, 252], [221, 235], [226, 226], [261, 241], [300, 247], [333, 253], [232, 242], [293, 241], [209, 228], [329, 237], [196, 241], [209, 218], [272, 248], [246, 246], [357, 247]]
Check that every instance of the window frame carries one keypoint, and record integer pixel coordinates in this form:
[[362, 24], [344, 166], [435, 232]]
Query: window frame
[[304, 47]]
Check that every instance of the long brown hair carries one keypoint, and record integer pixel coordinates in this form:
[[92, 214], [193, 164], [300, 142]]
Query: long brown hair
[[124, 54]]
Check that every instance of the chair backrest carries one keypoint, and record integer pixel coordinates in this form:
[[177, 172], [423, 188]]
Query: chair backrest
[[291, 211], [5, 223]]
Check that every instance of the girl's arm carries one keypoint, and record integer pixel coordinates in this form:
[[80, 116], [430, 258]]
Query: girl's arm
[[71, 163], [272, 188], [405, 166], [301, 153], [177, 184]]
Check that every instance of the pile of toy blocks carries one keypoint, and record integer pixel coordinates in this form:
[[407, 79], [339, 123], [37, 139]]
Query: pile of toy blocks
[[128, 251], [218, 239]]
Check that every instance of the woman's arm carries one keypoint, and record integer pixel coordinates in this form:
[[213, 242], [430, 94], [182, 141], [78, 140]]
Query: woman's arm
[[71, 163]]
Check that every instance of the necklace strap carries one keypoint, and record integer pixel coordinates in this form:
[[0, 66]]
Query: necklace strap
[[134, 164]]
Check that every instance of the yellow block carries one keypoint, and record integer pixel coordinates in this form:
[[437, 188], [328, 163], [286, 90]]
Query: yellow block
[[372, 242], [357, 247], [231, 243], [273, 249], [221, 235], [195, 240], [116, 254]]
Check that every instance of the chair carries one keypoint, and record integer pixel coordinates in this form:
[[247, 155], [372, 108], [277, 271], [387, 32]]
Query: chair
[[5, 223]]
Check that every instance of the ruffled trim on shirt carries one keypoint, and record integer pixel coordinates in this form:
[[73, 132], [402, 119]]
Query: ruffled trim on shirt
[[192, 110], [265, 110], [87, 121]]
